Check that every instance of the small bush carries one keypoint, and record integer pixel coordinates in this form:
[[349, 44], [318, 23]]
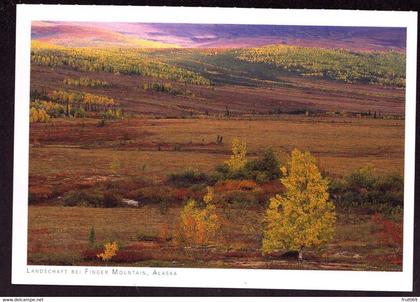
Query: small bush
[[199, 224], [364, 189], [262, 177], [82, 198], [110, 250], [78, 112], [261, 170], [390, 233], [223, 172], [75, 198], [265, 168], [189, 177]]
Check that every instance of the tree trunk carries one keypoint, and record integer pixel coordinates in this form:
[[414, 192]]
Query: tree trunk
[[301, 253]]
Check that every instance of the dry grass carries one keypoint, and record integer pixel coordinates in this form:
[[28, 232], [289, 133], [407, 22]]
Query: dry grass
[[293, 93], [59, 235], [341, 145]]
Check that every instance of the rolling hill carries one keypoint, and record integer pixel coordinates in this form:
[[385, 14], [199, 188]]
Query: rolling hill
[[91, 34], [84, 36]]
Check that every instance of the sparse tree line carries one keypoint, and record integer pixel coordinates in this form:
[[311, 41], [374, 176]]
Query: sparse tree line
[[305, 111], [166, 88], [86, 82], [60, 103], [125, 61], [374, 67]]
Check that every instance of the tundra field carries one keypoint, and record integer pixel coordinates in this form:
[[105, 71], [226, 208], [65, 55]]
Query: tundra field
[[172, 157]]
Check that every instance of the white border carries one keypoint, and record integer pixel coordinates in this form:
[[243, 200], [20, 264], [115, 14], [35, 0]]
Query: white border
[[223, 278]]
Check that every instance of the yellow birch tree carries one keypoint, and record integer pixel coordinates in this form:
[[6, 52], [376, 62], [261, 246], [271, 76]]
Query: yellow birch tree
[[303, 216], [238, 158], [200, 225]]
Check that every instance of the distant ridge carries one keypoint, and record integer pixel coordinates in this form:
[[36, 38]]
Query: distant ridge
[[80, 36], [141, 35]]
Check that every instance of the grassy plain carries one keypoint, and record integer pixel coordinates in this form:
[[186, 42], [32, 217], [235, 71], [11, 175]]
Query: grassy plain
[[59, 236], [65, 155], [79, 147]]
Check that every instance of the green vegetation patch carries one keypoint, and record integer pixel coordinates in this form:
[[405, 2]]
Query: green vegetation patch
[[373, 67], [126, 61]]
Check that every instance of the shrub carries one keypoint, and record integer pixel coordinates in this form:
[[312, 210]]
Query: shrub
[[390, 233], [189, 177], [110, 250], [265, 168], [111, 114], [262, 177], [361, 179], [82, 198], [363, 188], [78, 112], [199, 225], [261, 170], [75, 198]]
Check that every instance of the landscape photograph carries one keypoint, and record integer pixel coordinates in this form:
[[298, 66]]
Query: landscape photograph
[[216, 146]]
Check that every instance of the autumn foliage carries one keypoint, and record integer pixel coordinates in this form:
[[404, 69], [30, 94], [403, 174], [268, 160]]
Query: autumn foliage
[[390, 232], [238, 158], [199, 225], [38, 116], [302, 216], [110, 250]]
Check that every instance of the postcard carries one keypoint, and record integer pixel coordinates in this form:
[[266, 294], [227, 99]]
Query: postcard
[[214, 147]]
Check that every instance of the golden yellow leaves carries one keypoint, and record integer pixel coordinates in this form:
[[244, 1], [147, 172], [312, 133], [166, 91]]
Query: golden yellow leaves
[[38, 116], [110, 250], [199, 225], [208, 198], [303, 216], [238, 158]]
